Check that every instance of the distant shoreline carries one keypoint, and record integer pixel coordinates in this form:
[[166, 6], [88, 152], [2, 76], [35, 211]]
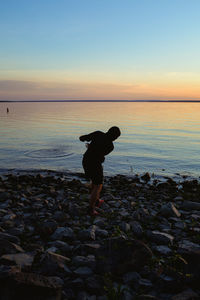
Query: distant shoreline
[[99, 101]]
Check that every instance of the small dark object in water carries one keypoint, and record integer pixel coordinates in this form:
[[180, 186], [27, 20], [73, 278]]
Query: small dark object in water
[[7, 110]]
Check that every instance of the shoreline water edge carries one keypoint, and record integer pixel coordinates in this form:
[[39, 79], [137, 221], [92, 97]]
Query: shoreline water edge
[[144, 244]]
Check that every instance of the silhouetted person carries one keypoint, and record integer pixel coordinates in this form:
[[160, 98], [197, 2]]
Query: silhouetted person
[[7, 110], [101, 144]]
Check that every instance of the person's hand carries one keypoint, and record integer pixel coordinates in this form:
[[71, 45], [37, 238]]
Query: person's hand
[[87, 145], [81, 138]]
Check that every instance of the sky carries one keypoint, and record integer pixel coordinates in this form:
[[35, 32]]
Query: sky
[[99, 50]]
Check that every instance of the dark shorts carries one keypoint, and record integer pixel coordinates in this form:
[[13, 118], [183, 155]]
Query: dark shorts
[[93, 170]]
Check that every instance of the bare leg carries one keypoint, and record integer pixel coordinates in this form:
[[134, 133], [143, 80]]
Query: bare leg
[[95, 193]]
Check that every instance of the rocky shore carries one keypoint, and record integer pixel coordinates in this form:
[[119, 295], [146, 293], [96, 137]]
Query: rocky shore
[[145, 243]]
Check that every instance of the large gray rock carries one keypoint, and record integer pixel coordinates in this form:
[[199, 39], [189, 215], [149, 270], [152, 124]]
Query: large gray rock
[[30, 286]]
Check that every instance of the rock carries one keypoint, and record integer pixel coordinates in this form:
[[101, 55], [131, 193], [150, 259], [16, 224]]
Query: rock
[[21, 259], [132, 278], [8, 271], [94, 284], [186, 246], [9, 217], [146, 177], [30, 286], [119, 255], [141, 214], [87, 234], [102, 233], [160, 237], [163, 250], [63, 247], [4, 196], [63, 233], [77, 283], [137, 229], [147, 297], [7, 247], [189, 205], [9, 237], [54, 264], [83, 272], [47, 228], [169, 210], [89, 248], [88, 261], [125, 227], [186, 295], [145, 284]]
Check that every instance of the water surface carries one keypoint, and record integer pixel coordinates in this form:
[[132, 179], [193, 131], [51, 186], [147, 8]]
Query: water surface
[[161, 138]]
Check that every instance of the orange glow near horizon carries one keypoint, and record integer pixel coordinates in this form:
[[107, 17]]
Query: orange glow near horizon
[[49, 90]]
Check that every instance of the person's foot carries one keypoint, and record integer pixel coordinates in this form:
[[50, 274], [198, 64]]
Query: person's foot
[[93, 212], [100, 202]]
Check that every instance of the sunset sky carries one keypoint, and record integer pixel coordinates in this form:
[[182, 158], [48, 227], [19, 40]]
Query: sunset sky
[[100, 49]]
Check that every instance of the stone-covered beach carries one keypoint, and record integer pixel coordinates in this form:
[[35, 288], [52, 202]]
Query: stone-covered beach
[[145, 243]]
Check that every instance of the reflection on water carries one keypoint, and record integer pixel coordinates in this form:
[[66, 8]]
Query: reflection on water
[[48, 153], [155, 136]]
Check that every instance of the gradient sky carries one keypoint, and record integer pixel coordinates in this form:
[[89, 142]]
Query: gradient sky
[[100, 49]]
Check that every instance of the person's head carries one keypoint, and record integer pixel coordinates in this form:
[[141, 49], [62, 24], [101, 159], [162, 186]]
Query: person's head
[[114, 133]]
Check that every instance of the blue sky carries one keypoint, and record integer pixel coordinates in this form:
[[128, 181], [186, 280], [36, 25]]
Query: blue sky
[[102, 43]]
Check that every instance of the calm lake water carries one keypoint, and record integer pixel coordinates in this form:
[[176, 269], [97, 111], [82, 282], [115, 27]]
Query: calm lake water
[[161, 138]]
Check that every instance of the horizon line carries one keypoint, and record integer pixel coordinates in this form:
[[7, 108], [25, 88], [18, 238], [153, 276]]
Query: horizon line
[[24, 101]]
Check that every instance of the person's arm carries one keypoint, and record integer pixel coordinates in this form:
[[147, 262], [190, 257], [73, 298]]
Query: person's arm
[[87, 137]]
